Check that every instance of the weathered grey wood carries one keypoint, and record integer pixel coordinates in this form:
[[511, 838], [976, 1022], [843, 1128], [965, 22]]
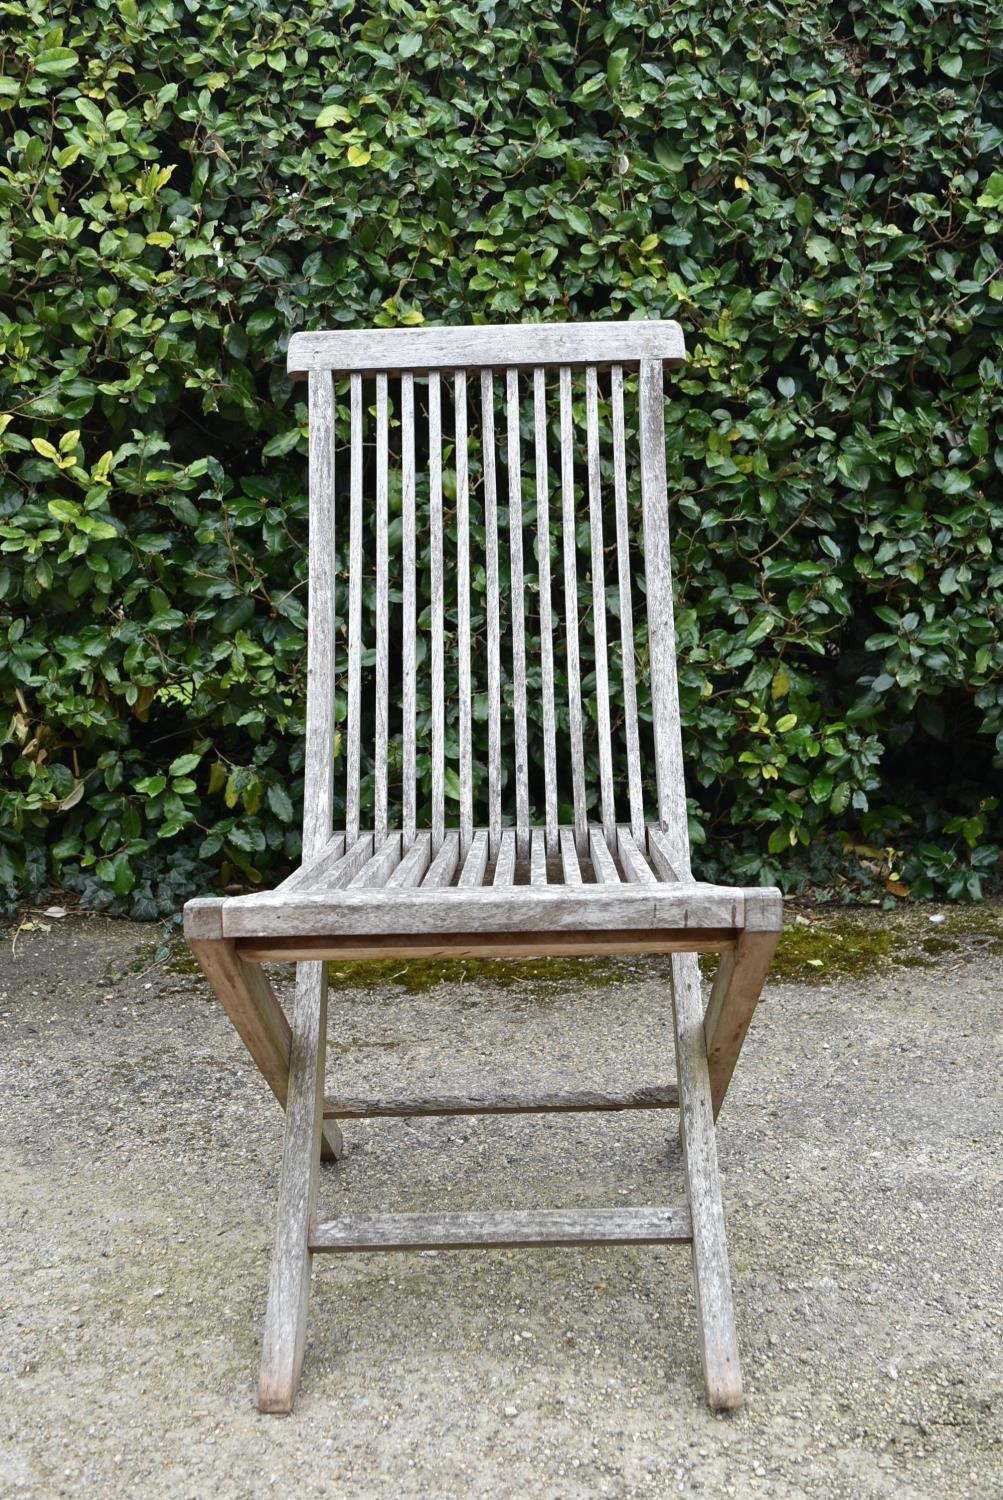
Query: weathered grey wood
[[414, 865], [355, 648], [570, 551], [662, 854], [711, 1273], [484, 909], [377, 871], [603, 862], [289, 1286], [476, 862], [493, 607], [443, 867], [463, 612], [333, 870], [741, 974], [538, 857], [409, 789], [471, 1231], [546, 612], [438, 623], [633, 863], [569, 858], [382, 607], [661, 627], [564, 943], [253, 1007], [515, 521], [504, 873], [498, 345], [625, 583], [599, 608], [319, 757], [581, 1101], [308, 874]]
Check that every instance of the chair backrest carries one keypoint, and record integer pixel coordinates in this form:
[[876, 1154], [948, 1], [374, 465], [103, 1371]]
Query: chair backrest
[[474, 541]]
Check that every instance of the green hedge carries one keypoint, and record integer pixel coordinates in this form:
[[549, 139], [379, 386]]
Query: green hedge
[[814, 190]]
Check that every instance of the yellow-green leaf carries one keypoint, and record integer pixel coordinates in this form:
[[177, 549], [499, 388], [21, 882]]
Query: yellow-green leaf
[[358, 156], [160, 237], [45, 448], [333, 114], [69, 440]]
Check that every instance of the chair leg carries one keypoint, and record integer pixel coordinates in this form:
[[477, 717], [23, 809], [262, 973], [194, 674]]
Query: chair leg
[[712, 1279], [289, 1288]]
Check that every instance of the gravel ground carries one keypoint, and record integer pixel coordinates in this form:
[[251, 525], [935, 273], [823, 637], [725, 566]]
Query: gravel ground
[[860, 1149]]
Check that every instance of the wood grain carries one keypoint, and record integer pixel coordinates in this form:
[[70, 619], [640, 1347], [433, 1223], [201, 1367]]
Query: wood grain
[[472, 1231], [582, 1101]]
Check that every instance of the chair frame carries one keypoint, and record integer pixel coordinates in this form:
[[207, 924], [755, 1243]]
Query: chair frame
[[411, 892]]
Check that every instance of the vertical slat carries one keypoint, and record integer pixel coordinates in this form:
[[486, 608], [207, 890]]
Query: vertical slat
[[493, 609], [463, 612], [569, 858], [626, 607], [354, 747], [319, 791], [661, 627], [438, 622], [409, 622], [538, 857], [518, 615], [382, 609], [571, 609], [505, 863], [546, 615], [602, 860], [599, 607]]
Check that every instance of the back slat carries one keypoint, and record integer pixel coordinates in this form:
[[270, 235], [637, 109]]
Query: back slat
[[546, 617], [408, 620], [319, 790], [382, 608], [518, 613], [626, 608], [438, 622], [571, 609], [493, 618], [599, 608], [463, 613], [354, 748]]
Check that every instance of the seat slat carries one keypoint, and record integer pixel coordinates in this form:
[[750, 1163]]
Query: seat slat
[[470, 1231], [463, 610], [382, 607], [570, 551], [409, 685], [602, 860], [354, 748], [438, 622], [661, 854], [443, 867], [599, 607], [377, 871], [505, 864], [624, 581], [302, 878], [515, 519], [632, 861], [413, 866], [546, 616], [537, 857], [569, 858], [476, 861], [334, 871]]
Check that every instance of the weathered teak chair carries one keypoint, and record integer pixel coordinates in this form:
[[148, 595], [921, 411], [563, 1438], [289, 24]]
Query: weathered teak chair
[[405, 433]]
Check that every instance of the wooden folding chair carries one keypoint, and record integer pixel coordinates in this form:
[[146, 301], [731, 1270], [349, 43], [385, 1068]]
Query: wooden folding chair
[[406, 427]]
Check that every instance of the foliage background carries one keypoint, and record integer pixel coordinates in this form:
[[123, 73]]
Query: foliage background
[[814, 190]]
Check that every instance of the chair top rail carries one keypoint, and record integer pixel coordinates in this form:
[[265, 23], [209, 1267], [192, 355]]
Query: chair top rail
[[488, 346]]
